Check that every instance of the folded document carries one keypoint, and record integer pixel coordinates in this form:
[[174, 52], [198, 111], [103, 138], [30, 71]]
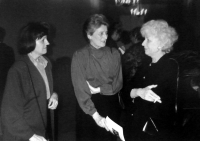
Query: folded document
[[115, 128]]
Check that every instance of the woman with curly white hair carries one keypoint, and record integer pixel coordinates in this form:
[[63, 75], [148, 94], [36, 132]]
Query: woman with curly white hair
[[154, 92]]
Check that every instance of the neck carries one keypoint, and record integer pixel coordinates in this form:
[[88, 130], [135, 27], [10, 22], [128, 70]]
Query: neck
[[94, 46], [157, 57], [34, 55]]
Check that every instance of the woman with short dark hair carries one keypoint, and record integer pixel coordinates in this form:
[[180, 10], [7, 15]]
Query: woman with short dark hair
[[97, 80], [28, 94]]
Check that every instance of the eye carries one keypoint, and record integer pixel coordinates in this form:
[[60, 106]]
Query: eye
[[148, 40], [101, 33], [106, 32]]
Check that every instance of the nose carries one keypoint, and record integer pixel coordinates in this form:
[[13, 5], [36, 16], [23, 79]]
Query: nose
[[144, 42], [105, 36], [47, 42]]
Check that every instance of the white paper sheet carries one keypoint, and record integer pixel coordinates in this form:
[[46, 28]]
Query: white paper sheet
[[115, 128]]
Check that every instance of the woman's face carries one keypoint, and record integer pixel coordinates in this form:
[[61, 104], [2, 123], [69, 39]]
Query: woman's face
[[99, 37], [41, 46], [151, 45]]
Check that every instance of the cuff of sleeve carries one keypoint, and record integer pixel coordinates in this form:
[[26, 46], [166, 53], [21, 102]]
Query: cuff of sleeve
[[134, 93], [140, 92], [95, 115]]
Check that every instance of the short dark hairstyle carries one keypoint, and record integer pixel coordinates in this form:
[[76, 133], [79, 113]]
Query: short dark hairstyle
[[28, 35], [93, 23]]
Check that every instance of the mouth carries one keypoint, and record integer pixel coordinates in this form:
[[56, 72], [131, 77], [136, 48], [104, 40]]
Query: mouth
[[104, 41]]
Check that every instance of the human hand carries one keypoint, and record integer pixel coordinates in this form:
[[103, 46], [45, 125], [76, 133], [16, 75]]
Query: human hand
[[92, 89], [53, 101], [101, 121], [37, 138], [147, 94]]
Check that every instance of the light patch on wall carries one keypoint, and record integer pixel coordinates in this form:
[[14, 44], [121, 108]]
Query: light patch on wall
[[95, 3]]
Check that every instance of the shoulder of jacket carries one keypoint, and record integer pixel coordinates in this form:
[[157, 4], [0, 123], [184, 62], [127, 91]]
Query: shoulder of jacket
[[19, 66], [83, 52]]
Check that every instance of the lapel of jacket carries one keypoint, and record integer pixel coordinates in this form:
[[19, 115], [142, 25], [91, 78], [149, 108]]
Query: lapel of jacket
[[38, 86]]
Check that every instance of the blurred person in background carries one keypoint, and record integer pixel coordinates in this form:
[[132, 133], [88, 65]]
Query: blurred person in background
[[7, 58]]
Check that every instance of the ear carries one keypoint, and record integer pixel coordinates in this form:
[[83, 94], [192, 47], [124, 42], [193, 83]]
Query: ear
[[161, 45]]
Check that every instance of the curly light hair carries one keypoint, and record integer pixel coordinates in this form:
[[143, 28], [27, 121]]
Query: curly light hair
[[160, 29]]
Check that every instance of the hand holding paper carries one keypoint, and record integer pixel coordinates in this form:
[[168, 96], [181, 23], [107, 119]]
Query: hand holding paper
[[100, 121], [114, 128]]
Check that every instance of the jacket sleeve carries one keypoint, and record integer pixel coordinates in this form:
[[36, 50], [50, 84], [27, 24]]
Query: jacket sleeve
[[12, 107], [81, 88]]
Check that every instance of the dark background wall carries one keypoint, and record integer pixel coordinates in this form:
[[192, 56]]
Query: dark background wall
[[67, 17]]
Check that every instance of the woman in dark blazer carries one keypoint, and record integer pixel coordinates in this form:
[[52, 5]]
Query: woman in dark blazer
[[28, 93], [154, 91]]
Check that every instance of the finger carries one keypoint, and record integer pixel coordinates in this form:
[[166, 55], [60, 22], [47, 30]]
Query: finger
[[52, 105], [50, 102], [152, 86], [149, 98], [155, 96], [105, 125], [157, 100], [55, 104]]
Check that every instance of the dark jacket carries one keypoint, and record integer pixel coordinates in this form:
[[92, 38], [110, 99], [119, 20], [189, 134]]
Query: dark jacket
[[24, 106], [164, 75]]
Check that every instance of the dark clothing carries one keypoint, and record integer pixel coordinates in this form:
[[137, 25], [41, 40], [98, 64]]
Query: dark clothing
[[101, 68], [7, 58], [132, 59], [112, 43], [164, 75], [24, 106], [87, 129]]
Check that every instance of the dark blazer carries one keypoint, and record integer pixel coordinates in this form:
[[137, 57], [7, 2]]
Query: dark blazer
[[24, 110]]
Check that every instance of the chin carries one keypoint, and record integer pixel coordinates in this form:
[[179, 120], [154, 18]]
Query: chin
[[103, 45], [147, 53]]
